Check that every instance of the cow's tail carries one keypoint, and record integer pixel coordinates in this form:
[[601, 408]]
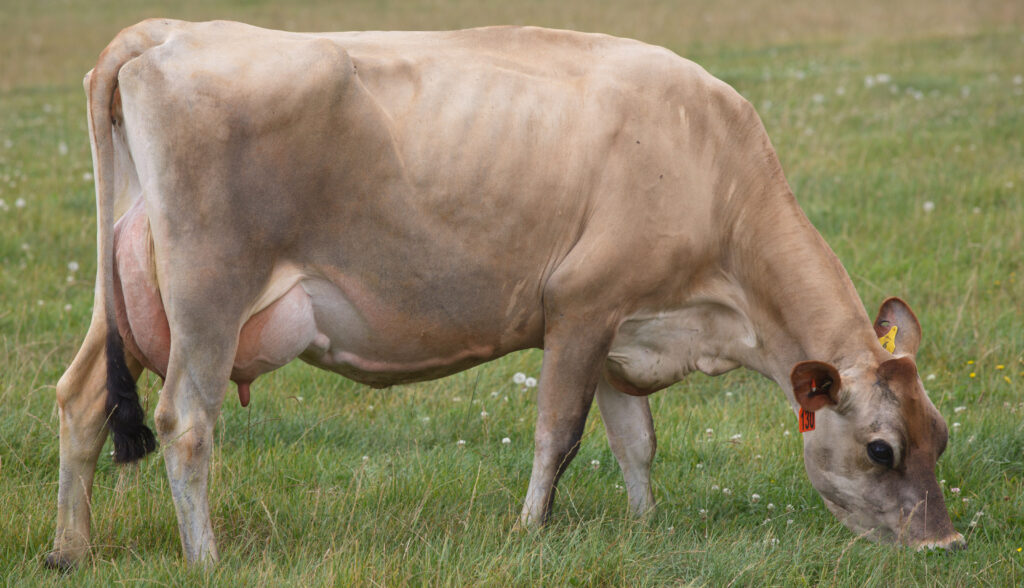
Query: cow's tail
[[125, 417]]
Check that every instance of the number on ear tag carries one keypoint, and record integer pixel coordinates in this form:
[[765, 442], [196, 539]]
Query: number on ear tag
[[806, 421]]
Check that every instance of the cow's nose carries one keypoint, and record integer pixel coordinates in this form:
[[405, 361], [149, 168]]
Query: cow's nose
[[954, 542]]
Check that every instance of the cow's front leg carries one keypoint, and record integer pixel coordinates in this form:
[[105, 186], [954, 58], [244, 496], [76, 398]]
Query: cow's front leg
[[189, 405], [627, 420], [568, 378], [81, 400]]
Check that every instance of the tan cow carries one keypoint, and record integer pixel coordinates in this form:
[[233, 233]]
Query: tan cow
[[401, 206]]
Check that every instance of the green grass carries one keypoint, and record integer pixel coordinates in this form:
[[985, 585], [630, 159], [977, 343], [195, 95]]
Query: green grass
[[294, 500]]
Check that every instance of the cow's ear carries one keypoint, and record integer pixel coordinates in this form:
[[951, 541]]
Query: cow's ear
[[815, 385], [907, 337]]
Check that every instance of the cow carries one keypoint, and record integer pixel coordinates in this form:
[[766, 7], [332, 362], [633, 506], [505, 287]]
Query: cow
[[400, 206]]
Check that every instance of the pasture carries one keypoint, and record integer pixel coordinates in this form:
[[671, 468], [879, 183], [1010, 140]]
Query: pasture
[[901, 131]]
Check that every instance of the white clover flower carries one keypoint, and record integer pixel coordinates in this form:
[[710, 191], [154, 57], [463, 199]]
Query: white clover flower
[[19, 203], [789, 521], [770, 506], [461, 442], [869, 81], [72, 266], [519, 378], [425, 419], [955, 490], [714, 487], [709, 432], [755, 498], [726, 491], [700, 466], [506, 441], [67, 308], [702, 511], [457, 399], [530, 382], [758, 456], [785, 433], [959, 409], [484, 414], [87, 177], [728, 394], [1018, 80], [62, 148], [366, 458], [789, 508], [930, 377], [883, 78], [494, 394], [595, 463], [928, 206], [736, 437], [369, 407], [818, 98], [841, 90], [956, 426], [3, 205]]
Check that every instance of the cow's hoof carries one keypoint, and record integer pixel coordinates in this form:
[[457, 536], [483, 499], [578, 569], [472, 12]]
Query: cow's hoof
[[55, 560], [954, 542]]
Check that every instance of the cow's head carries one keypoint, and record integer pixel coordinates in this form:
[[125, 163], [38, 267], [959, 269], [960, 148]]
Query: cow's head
[[876, 439]]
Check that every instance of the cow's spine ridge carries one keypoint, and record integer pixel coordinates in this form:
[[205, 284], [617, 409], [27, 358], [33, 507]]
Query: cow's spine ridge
[[125, 416]]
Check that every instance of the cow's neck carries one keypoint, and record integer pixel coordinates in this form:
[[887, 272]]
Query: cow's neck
[[798, 298]]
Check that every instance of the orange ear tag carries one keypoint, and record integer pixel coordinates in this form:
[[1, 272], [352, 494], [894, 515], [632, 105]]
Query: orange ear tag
[[806, 421]]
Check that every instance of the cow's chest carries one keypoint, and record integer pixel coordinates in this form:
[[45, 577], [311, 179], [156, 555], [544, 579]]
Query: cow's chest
[[654, 350]]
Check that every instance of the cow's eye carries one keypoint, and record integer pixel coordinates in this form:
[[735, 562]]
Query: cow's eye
[[881, 453]]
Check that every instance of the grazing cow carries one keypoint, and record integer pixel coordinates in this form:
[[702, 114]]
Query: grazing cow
[[396, 207]]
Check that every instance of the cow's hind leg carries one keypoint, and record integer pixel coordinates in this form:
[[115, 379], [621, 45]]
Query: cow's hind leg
[[190, 402], [81, 399], [627, 420]]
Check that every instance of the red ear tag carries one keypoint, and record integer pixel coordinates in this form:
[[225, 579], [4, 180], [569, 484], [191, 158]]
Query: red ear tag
[[806, 421]]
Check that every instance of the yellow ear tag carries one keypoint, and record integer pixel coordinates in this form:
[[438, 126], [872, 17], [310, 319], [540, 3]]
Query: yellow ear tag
[[888, 340]]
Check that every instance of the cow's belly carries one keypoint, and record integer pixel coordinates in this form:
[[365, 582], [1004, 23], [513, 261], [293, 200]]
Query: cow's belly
[[334, 324], [361, 337]]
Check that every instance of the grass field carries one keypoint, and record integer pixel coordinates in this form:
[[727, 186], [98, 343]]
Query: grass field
[[901, 134]]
